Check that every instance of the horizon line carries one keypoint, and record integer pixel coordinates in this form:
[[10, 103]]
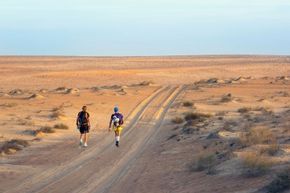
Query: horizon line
[[132, 56]]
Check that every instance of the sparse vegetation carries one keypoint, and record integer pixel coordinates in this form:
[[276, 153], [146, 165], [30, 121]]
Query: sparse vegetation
[[196, 116], [230, 124], [177, 120], [61, 126], [257, 136], [205, 162], [280, 183], [112, 87], [244, 110], [263, 110], [190, 130], [13, 145], [226, 98], [44, 129], [187, 104], [271, 149], [254, 164], [57, 113]]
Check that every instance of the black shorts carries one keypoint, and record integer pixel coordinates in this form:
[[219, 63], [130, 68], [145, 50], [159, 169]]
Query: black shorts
[[84, 129]]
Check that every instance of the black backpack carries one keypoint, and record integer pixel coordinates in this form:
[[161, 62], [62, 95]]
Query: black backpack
[[83, 118]]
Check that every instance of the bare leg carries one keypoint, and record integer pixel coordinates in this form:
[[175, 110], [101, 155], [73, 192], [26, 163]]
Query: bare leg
[[85, 137], [117, 138], [81, 137]]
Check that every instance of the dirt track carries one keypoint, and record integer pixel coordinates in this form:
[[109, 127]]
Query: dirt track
[[102, 164]]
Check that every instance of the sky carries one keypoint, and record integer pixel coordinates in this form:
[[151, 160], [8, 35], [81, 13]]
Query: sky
[[148, 27]]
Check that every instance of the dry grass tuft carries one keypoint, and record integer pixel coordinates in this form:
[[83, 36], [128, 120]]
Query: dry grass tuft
[[254, 164], [61, 126], [187, 104], [196, 116], [257, 136], [177, 120], [205, 162], [244, 109], [271, 149], [226, 98], [13, 145], [45, 129], [57, 113]]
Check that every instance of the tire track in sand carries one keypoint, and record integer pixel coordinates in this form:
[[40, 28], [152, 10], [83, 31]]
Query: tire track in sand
[[106, 164]]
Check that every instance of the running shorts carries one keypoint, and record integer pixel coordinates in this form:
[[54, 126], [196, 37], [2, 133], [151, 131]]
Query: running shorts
[[118, 129]]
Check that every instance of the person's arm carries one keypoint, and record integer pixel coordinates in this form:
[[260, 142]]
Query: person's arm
[[77, 120], [110, 124], [89, 123], [121, 122]]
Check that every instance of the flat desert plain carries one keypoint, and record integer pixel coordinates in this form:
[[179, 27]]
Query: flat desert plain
[[193, 124]]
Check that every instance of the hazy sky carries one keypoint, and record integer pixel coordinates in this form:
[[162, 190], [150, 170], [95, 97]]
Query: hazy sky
[[148, 27]]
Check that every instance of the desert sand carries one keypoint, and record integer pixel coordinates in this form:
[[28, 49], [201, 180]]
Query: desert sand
[[212, 124]]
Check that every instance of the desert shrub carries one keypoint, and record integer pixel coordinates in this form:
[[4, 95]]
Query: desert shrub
[[177, 120], [205, 162], [187, 104], [61, 126], [190, 130], [244, 110], [45, 129], [257, 136], [280, 183], [230, 124], [196, 116], [226, 98], [254, 164], [271, 149], [14, 144], [264, 110], [57, 114]]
